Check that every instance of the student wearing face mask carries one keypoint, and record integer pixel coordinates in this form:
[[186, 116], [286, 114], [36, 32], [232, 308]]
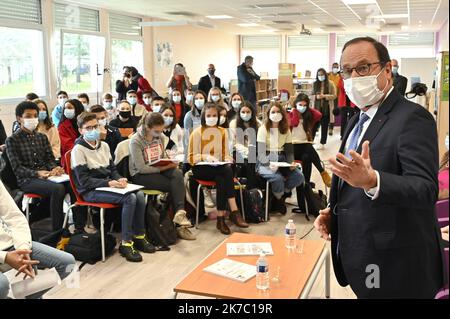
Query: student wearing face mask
[[176, 100], [179, 79], [147, 147], [68, 129], [109, 107], [172, 131], [210, 80], [334, 77], [235, 104], [400, 82], [275, 145], [57, 112], [125, 122], [32, 162], [147, 100], [46, 127], [215, 96], [137, 110], [84, 99], [209, 143], [157, 103], [243, 131], [192, 120], [109, 134], [325, 94], [93, 167], [301, 122], [189, 98], [384, 186]]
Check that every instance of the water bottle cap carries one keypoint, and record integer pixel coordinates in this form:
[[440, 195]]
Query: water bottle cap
[[290, 221]]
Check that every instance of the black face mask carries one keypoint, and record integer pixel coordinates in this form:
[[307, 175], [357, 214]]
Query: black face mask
[[125, 114], [211, 72]]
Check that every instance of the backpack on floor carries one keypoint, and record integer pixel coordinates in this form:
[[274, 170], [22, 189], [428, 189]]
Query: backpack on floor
[[309, 200], [253, 205], [87, 247], [160, 229]]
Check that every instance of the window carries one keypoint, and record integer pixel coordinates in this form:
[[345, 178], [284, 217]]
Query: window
[[125, 25], [342, 39], [309, 53], [125, 52], [411, 45], [27, 11], [266, 51]]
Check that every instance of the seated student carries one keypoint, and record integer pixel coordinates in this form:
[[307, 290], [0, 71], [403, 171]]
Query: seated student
[[57, 112], [148, 146], [32, 162], [30, 97], [209, 143], [137, 110], [68, 129], [236, 102], [93, 167], [157, 103], [125, 122], [46, 127], [215, 96], [301, 124], [243, 130], [147, 99], [189, 94], [109, 134], [84, 99], [109, 107], [19, 252], [275, 145], [180, 107], [443, 174], [172, 131], [223, 123]]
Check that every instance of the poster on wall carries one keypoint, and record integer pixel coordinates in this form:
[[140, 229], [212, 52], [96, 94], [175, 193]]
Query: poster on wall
[[164, 54], [444, 91]]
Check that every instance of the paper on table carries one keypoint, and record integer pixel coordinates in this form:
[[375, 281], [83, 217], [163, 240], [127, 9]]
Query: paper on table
[[284, 164], [249, 249], [59, 179], [213, 163], [45, 279], [129, 189], [231, 269]]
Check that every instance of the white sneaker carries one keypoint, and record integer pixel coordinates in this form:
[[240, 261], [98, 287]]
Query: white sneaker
[[208, 198], [181, 219]]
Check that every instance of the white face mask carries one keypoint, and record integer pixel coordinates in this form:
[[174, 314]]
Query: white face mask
[[236, 104], [147, 101], [107, 105], [177, 99], [364, 91], [211, 121], [222, 120], [275, 117], [301, 108], [30, 124], [168, 120], [69, 113], [246, 117], [335, 70], [215, 98], [102, 122], [321, 78], [199, 103], [189, 98], [156, 108], [86, 106], [62, 101], [132, 100]]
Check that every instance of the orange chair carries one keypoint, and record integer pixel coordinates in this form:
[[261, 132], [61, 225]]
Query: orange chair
[[81, 202], [29, 197], [201, 184]]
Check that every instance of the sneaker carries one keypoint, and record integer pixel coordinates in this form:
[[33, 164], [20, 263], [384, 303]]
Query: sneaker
[[185, 233], [142, 244], [162, 248], [130, 254], [208, 199], [330, 131], [181, 219]]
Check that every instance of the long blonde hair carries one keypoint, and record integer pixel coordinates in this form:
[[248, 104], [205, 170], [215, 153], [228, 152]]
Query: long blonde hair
[[444, 161]]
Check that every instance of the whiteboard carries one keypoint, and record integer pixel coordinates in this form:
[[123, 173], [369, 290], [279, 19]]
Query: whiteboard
[[422, 67]]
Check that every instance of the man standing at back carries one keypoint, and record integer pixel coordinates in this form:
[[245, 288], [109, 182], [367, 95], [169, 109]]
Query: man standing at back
[[246, 80], [209, 81], [381, 218], [400, 82]]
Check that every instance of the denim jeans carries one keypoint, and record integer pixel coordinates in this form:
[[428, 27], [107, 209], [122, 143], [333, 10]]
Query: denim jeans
[[277, 179], [48, 257], [133, 210]]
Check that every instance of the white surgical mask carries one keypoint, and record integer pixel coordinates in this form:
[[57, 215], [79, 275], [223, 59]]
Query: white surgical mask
[[275, 117], [102, 122], [211, 121], [30, 124], [222, 120], [168, 120], [70, 114], [321, 78], [62, 101], [335, 70], [86, 106], [132, 100], [107, 105], [215, 98], [147, 101], [236, 104], [156, 108], [177, 99], [199, 103], [364, 91], [246, 117], [301, 108], [189, 98]]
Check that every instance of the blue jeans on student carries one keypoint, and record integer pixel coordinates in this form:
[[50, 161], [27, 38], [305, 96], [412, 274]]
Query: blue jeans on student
[[48, 257], [133, 210], [279, 185]]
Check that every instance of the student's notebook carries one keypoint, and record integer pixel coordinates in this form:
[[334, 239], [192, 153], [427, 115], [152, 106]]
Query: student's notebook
[[164, 162], [284, 164], [59, 179], [249, 249], [129, 189], [213, 163], [231, 269]]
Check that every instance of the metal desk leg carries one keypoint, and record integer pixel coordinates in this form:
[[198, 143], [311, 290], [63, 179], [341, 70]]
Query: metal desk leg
[[175, 295], [323, 259]]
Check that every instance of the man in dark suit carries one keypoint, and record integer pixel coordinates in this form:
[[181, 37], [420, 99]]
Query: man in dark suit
[[208, 81], [381, 217], [246, 80], [400, 82]]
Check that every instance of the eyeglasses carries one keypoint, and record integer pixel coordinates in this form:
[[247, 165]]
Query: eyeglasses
[[362, 70], [90, 128]]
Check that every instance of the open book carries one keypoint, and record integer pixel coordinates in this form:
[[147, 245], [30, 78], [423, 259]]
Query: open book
[[213, 163], [164, 162], [284, 164], [231, 269], [129, 189], [59, 179], [249, 249]]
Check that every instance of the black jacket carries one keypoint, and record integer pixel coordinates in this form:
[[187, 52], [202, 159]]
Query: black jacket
[[205, 83], [122, 90], [246, 83], [2, 133], [398, 231], [400, 83], [113, 138]]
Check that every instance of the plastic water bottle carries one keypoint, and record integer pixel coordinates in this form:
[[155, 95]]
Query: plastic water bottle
[[262, 273], [289, 233]]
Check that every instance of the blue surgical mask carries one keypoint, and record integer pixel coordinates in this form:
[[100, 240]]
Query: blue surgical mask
[[246, 117], [168, 120], [132, 100], [92, 135], [321, 78], [215, 98], [42, 115], [395, 69], [70, 114], [301, 108], [107, 105]]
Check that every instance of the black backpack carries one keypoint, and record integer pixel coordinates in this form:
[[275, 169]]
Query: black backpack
[[87, 247], [160, 229], [310, 201], [253, 205]]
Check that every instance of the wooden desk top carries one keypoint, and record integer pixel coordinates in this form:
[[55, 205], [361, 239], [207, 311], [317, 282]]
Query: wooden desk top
[[295, 269]]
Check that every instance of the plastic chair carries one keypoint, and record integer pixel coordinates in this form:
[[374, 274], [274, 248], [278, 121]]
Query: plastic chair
[[81, 202], [201, 184], [28, 198], [151, 192]]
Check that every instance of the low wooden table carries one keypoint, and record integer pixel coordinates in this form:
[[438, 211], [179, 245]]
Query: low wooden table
[[298, 271]]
